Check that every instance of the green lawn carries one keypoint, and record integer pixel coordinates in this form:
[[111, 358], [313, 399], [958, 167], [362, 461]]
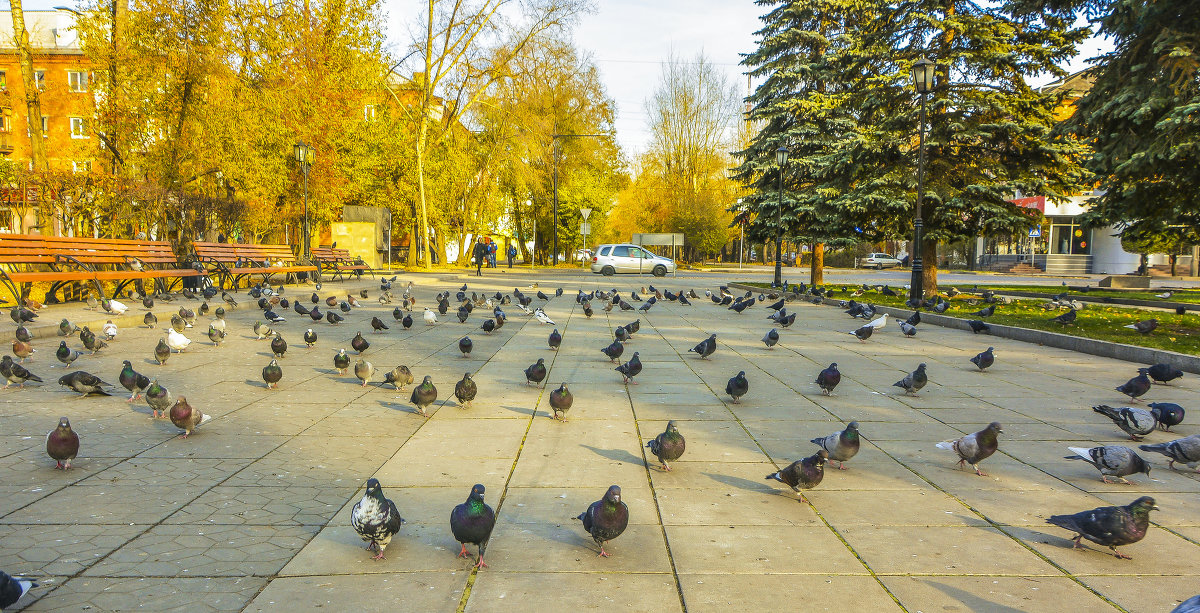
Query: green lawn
[[1189, 296], [1180, 333]]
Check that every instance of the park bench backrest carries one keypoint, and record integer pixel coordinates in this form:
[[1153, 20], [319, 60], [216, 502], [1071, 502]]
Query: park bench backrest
[[31, 249]]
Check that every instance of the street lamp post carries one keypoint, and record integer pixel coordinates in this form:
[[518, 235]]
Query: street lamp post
[[304, 156], [533, 251], [781, 155], [922, 74]]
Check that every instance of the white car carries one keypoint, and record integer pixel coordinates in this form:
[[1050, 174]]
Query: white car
[[879, 261], [612, 259]]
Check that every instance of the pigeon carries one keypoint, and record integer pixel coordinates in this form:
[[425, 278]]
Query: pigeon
[[65, 328], [1144, 327], [1163, 373], [1167, 413], [187, 418], [1112, 461], [430, 316], [177, 341], [987, 311], [777, 305], [737, 386], [1191, 605], [1136, 386], [771, 338], [978, 326], [555, 339], [215, 335], [879, 323], [376, 519], [159, 399], [90, 341], [133, 381], [614, 350], [668, 446], [22, 349], [488, 326], [1136, 422], [262, 330], [62, 444], [463, 314], [908, 329], [271, 374], [536, 372], [706, 347], [472, 522], [407, 322], [12, 589], [114, 307], [863, 333], [424, 395], [976, 447], [465, 390], [1183, 450], [984, 359], [803, 474], [377, 324], [621, 334], [630, 369], [606, 518], [341, 361], [1109, 526], [316, 315], [841, 445], [333, 318], [15, 373], [65, 354], [914, 319], [561, 400], [269, 315], [363, 370], [1067, 318], [278, 346], [310, 338], [828, 379], [914, 381], [84, 382]]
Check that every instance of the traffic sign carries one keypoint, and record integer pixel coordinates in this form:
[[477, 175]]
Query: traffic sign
[[585, 228], [585, 213], [1035, 232]]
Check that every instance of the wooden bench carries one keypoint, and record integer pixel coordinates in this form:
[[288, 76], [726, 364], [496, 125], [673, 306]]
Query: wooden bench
[[27, 259], [234, 262], [339, 262]]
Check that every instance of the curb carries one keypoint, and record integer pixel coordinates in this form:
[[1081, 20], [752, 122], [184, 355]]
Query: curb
[[1107, 349]]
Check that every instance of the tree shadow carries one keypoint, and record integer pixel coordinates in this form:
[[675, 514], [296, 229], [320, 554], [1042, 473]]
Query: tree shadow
[[762, 487], [616, 455]]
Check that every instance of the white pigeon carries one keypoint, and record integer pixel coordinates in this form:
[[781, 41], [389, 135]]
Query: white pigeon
[[177, 341], [1166, 295], [430, 316], [542, 317], [525, 308], [115, 307], [110, 330], [878, 322]]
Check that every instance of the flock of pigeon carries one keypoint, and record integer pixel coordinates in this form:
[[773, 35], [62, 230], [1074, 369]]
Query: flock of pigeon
[[377, 519]]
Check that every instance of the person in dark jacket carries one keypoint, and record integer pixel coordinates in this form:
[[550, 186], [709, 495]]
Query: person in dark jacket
[[512, 253], [480, 253]]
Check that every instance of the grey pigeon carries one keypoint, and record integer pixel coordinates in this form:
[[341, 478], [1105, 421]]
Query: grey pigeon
[[424, 395], [363, 370], [841, 445], [536, 372], [706, 347], [271, 374], [1163, 373], [668, 446], [159, 399], [771, 338], [606, 518], [1167, 413], [65, 354], [162, 351], [737, 386], [561, 400], [84, 382], [187, 418], [376, 519], [803, 474], [614, 350], [1183, 450], [914, 381], [12, 589], [1112, 461], [1136, 386], [1109, 526], [1067, 318], [984, 359], [472, 522], [621, 334], [630, 369], [1136, 422], [216, 335], [465, 345], [908, 329], [1144, 327], [976, 447], [465, 390], [62, 444], [828, 379], [399, 376]]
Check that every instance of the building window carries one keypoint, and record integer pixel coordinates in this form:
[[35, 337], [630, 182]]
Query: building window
[[84, 166], [3, 80], [78, 128], [1068, 237], [369, 112], [45, 127], [39, 78], [77, 80]]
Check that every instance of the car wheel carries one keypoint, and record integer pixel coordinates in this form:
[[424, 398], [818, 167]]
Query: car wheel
[[659, 271], [607, 271]]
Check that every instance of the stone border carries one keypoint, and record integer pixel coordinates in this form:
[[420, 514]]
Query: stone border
[[1119, 351]]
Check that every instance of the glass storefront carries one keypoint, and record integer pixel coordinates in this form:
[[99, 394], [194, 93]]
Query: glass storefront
[[1068, 237]]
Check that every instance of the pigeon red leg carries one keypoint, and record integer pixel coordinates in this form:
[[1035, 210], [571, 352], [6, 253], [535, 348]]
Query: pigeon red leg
[[1120, 556], [603, 554], [463, 553], [481, 563]]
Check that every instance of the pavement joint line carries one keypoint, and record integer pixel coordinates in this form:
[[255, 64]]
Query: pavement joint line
[[774, 463], [473, 575]]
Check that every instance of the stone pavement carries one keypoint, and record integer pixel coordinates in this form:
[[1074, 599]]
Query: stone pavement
[[252, 511]]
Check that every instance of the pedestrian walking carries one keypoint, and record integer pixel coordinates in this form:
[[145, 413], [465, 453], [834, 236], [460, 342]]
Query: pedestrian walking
[[512, 253], [480, 253], [491, 253]]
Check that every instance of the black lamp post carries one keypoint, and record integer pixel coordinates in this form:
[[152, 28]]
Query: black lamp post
[[304, 156], [922, 74], [781, 160]]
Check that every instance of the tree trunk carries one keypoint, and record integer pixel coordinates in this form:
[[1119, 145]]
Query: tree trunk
[[423, 133], [1173, 258], [33, 104], [930, 266], [816, 268]]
